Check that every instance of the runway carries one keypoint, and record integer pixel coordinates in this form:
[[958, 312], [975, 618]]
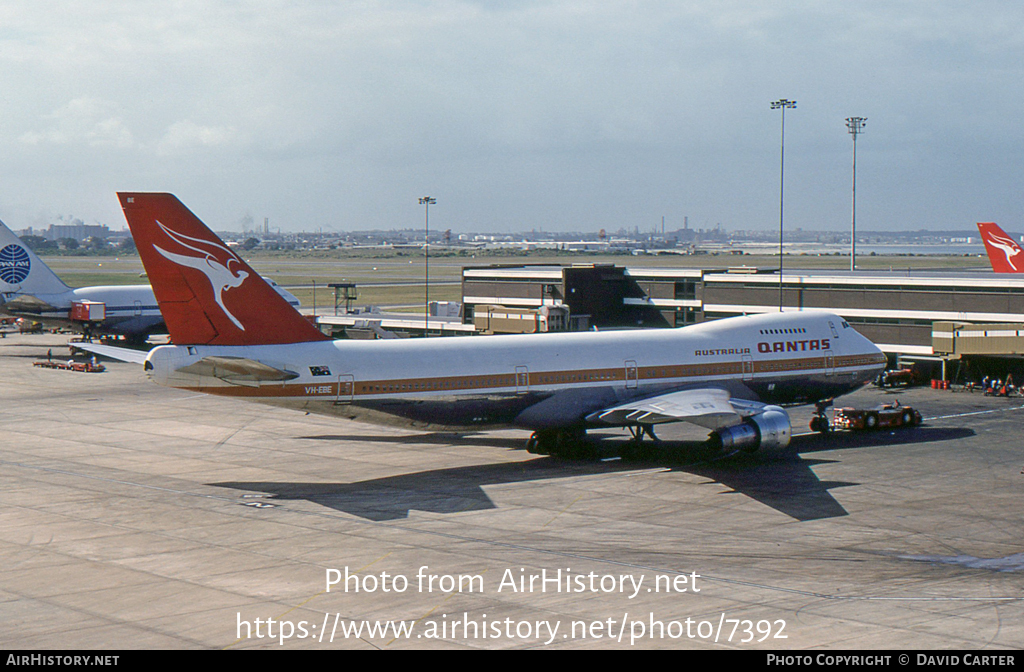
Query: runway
[[135, 516]]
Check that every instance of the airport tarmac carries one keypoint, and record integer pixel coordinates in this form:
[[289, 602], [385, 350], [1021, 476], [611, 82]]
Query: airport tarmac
[[135, 516]]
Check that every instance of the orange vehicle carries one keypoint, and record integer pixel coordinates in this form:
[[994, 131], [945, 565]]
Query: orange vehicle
[[886, 415], [71, 365], [895, 377]]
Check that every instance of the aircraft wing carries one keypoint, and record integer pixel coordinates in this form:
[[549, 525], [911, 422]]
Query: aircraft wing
[[120, 354], [708, 407]]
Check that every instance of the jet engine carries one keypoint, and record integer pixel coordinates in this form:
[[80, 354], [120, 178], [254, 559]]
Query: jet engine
[[769, 429]]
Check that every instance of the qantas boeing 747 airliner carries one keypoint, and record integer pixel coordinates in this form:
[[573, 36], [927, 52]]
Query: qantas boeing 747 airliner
[[234, 336]]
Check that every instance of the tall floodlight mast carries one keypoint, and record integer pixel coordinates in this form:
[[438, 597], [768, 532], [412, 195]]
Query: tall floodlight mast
[[856, 126], [782, 104], [426, 202]]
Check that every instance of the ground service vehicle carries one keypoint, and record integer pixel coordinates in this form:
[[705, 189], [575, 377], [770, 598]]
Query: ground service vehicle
[[895, 377], [886, 415]]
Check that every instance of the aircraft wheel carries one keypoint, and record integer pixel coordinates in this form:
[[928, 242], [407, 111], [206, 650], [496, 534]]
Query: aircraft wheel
[[639, 452], [583, 451], [541, 443], [819, 424], [714, 442], [531, 444], [572, 444]]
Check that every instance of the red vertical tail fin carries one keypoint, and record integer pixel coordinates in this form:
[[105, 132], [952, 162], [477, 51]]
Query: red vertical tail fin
[[207, 294], [1003, 251]]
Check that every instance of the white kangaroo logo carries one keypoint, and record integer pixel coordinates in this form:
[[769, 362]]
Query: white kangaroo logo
[[220, 275], [1006, 246]]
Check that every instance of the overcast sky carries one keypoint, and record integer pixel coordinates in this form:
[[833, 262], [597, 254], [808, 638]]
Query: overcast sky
[[557, 115]]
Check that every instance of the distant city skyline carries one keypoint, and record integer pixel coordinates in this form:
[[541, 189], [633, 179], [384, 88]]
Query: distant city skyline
[[557, 115], [81, 231]]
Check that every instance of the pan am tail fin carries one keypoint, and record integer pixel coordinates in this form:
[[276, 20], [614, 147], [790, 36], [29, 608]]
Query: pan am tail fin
[[207, 294], [21, 271]]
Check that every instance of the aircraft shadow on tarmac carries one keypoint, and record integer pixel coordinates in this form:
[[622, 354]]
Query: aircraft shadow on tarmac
[[434, 438], [783, 480], [34, 351]]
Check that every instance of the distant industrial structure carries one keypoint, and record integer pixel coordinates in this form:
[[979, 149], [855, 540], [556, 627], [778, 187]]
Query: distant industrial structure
[[898, 311], [77, 230]]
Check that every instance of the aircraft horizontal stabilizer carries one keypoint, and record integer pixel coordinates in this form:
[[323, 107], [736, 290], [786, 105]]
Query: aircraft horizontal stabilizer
[[710, 407], [26, 303], [238, 370], [113, 352]]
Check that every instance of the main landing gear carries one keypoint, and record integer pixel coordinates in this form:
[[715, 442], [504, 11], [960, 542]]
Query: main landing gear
[[820, 423], [571, 443], [568, 443], [637, 448]]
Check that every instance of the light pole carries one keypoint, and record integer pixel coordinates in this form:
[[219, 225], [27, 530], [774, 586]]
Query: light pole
[[856, 126], [426, 202], [777, 105]]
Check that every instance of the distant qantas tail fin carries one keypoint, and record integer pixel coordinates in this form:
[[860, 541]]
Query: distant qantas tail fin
[[207, 294], [1003, 251], [21, 271]]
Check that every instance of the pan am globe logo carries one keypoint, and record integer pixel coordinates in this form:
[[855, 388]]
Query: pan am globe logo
[[14, 264]]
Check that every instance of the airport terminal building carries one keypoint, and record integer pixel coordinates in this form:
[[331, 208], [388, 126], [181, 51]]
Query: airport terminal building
[[910, 315]]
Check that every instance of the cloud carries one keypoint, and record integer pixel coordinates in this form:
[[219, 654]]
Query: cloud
[[521, 114], [186, 135], [88, 121]]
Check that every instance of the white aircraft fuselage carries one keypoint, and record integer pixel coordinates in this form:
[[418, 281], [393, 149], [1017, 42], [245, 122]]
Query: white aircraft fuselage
[[130, 309], [539, 381]]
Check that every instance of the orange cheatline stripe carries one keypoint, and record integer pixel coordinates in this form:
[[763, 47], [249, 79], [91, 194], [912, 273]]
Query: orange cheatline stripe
[[508, 381]]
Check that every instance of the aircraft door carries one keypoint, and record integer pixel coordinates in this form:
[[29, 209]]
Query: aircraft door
[[138, 308], [632, 374], [830, 363], [747, 367], [346, 389], [522, 380]]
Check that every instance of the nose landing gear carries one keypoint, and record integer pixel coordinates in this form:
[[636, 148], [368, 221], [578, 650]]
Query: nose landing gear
[[820, 422]]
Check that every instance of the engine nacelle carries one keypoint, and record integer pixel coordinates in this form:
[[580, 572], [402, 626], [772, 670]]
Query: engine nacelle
[[768, 429]]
